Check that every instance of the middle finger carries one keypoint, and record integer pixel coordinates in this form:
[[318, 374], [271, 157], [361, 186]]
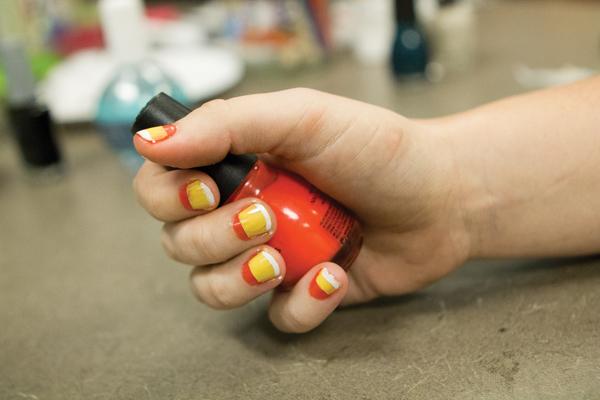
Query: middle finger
[[221, 234]]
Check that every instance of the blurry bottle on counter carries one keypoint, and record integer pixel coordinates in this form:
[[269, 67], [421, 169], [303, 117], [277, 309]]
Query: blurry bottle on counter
[[373, 24], [409, 51], [136, 80], [30, 121], [451, 28]]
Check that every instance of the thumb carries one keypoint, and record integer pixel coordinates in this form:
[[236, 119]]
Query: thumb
[[291, 125], [335, 143]]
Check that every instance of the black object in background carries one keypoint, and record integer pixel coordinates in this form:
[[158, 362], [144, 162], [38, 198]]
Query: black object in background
[[33, 131], [30, 122], [410, 54]]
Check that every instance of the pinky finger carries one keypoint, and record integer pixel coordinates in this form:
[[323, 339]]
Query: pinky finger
[[311, 301]]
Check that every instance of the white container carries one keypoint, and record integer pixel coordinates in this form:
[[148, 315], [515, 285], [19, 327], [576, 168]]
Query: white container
[[452, 35], [374, 34]]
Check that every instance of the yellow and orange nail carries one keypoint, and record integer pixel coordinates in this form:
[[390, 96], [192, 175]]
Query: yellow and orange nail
[[323, 285], [261, 268], [196, 195], [252, 221], [157, 133]]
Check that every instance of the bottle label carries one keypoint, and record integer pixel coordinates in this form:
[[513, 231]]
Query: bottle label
[[336, 220], [311, 227]]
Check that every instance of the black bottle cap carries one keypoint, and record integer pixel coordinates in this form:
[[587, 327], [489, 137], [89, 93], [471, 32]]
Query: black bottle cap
[[405, 11], [162, 109], [228, 174], [34, 132]]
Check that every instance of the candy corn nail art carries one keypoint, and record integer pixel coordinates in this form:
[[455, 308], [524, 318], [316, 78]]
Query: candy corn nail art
[[196, 195], [323, 285], [157, 133], [252, 221], [261, 268]]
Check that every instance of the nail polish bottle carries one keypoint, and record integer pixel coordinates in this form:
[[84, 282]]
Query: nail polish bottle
[[311, 227], [409, 52], [135, 79], [30, 120]]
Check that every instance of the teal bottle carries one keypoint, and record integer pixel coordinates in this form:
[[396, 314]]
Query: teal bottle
[[409, 53], [127, 93], [135, 81]]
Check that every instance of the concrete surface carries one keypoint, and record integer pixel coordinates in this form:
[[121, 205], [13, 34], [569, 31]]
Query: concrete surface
[[90, 308]]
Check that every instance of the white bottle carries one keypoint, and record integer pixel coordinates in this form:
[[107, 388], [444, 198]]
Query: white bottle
[[374, 31], [451, 27], [135, 81]]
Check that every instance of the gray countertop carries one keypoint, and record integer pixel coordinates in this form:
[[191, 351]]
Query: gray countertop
[[91, 308]]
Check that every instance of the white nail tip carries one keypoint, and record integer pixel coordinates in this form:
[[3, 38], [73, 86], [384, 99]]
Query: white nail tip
[[144, 134], [208, 193], [328, 276], [260, 208], [273, 262]]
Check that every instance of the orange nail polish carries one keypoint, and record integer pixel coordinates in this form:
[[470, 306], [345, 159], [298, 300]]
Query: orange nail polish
[[311, 227], [196, 195], [252, 221], [323, 285], [261, 268], [157, 133]]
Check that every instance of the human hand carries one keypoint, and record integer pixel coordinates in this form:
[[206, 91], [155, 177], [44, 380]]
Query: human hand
[[398, 176]]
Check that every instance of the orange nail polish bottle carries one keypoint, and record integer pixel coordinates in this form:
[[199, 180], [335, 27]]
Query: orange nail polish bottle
[[311, 227]]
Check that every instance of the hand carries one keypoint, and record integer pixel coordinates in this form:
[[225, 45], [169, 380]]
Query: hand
[[397, 175]]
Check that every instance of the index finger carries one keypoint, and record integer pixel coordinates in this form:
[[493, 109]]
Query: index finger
[[276, 123]]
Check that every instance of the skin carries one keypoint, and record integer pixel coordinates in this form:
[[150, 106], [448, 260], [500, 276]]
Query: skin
[[515, 178]]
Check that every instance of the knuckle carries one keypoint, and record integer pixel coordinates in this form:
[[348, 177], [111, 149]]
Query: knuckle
[[305, 93], [165, 241], [214, 106], [155, 206], [141, 194], [294, 321], [314, 111], [218, 295], [136, 184], [314, 119], [140, 179], [152, 206], [196, 278], [148, 199], [206, 246]]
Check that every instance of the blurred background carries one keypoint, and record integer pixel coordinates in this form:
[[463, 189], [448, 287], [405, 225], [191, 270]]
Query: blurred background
[[83, 282], [98, 62]]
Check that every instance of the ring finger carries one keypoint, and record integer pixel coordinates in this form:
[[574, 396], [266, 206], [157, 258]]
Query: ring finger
[[221, 234], [239, 280]]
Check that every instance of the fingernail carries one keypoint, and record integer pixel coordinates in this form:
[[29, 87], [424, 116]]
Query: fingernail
[[323, 285], [252, 221], [261, 268], [157, 133], [196, 195]]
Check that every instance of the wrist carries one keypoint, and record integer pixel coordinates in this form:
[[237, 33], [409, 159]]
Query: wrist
[[471, 202]]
